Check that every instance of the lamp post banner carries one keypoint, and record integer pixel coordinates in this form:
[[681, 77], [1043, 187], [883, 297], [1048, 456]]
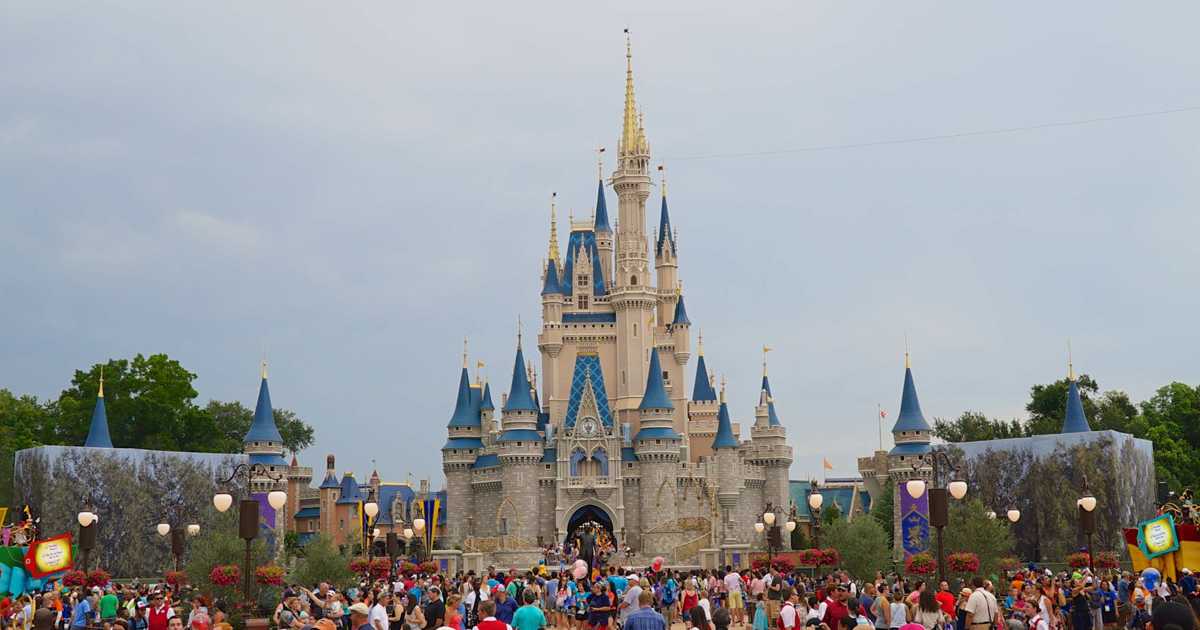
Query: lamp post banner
[[914, 521]]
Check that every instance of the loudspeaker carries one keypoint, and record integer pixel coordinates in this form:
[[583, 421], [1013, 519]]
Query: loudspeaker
[[248, 519], [938, 507], [87, 537]]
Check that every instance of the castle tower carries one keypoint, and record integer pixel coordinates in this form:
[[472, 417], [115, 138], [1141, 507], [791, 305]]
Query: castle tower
[[702, 410], [666, 260], [263, 444], [769, 449], [520, 453], [604, 233], [348, 512], [328, 492], [680, 331], [633, 299], [1076, 420], [298, 478], [458, 454], [727, 464], [657, 447], [98, 436], [912, 437]]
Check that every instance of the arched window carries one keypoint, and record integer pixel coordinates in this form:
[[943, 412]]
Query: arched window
[[577, 457], [600, 456], [633, 280]]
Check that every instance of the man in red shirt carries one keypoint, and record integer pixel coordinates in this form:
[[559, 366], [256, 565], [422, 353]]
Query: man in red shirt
[[946, 599], [835, 607], [488, 621]]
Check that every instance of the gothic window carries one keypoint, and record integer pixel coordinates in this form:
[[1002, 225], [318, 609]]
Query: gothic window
[[600, 457], [582, 281], [633, 280], [635, 330], [582, 302], [577, 458], [503, 526]]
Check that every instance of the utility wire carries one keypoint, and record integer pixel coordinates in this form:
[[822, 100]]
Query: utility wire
[[945, 136]]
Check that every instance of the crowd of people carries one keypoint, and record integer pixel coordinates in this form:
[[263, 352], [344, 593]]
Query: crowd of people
[[628, 599]]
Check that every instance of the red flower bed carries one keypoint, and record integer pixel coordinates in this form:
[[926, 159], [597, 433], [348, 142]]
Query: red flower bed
[[920, 564], [75, 578], [963, 562], [99, 577], [359, 565], [225, 575], [175, 578], [830, 557], [429, 567], [1078, 560], [381, 568], [408, 568], [269, 575], [1106, 560]]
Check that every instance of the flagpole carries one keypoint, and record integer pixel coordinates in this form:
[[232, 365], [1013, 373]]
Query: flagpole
[[879, 419]]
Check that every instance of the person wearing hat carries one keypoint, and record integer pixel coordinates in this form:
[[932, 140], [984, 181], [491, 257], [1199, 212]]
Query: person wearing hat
[[139, 620], [435, 610], [506, 607], [358, 616]]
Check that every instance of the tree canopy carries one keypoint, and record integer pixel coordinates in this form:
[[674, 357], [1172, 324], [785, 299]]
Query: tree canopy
[[862, 543], [150, 402]]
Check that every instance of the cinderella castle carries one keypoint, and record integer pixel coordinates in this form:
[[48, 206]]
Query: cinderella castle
[[612, 439]]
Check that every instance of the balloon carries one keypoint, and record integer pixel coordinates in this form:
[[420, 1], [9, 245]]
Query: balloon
[[657, 565], [579, 570], [1150, 578]]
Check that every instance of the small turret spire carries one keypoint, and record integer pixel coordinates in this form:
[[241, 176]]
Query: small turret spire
[[553, 228], [264, 369], [98, 436], [765, 350], [700, 343], [665, 235], [1070, 363], [633, 136], [464, 353], [100, 394]]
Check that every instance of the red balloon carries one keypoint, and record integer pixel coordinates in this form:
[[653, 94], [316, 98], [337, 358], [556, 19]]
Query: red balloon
[[657, 565]]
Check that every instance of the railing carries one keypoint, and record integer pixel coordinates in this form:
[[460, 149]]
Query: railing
[[589, 482]]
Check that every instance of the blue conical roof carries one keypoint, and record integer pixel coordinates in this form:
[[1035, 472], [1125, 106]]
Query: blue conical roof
[[349, 493], [703, 389], [665, 238], [464, 414], [910, 418], [724, 437], [330, 481], [681, 317], [263, 428], [772, 417], [519, 397], [487, 405], [601, 224], [656, 393], [1076, 421], [550, 285], [97, 436]]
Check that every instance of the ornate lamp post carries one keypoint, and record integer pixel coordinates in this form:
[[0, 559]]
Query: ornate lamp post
[[371, 509], [773, 536], [938, 503], [1086, 506], [419, 529], [815, 499], [1013, 514], [248, 511], [408, 536], [87, 531], [177, 538]]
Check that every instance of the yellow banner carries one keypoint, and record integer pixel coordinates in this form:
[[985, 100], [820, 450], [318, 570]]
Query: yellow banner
[[3, 515]]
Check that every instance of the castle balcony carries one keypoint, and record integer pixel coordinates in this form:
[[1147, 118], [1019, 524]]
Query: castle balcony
[[601, 487], [300, 471]]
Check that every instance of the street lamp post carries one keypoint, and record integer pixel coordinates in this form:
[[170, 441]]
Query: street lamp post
[[815, 499], [177, 538], [774, 537], [371, 509], [408, 536], [248, 511], [1087, 520], [87, 531], [939, 509], [419, 529]]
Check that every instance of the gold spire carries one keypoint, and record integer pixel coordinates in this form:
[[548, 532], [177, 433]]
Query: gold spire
[[101, 394], [632, 135], [600, 162], [722, 388], [519, 327], [662, 168], [554, 229], [907, 361], [464, 353], [766, 349], [700, 343], [264, 369], [1070, 363]]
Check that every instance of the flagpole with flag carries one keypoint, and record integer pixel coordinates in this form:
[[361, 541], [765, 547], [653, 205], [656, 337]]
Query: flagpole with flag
[[882, 416], [825, 465]]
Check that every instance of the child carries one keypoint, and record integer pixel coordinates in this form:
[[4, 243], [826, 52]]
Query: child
[[760, 613]]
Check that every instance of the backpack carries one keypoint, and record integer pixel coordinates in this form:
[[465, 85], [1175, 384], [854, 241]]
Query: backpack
[[668, 594], [473, 613]]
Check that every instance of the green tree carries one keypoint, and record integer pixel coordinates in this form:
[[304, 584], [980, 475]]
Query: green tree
[[1170, 418], [883, 511], [830, 514], [219, 545], [22, 421], [231, 420], [972, 426], [862, 544], [799, 540], [969, 529], [1047, 405], [323, 561]]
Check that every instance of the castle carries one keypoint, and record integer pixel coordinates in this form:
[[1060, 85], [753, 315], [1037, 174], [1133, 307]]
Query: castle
[[613, 439]]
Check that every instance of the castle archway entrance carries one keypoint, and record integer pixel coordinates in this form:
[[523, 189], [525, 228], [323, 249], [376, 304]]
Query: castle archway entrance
[[591, 524]]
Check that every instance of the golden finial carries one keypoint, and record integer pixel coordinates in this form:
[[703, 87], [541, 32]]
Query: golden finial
[[264, 369], [600, 162], [630, 125], [1070, 363], [553, 228], [662, 168], [700, 343], [907, 360], [101, 394], [519, 327], [766, 349], [722, 388], [464, 353]]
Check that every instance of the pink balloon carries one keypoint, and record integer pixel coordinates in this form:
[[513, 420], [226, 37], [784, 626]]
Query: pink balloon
[[579, 571], [658, 563]]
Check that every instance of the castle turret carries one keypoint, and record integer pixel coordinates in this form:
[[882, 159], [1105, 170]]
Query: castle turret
[[98, 436], [633, 299], [1076, 420], [298, 479], [769, 449], [461, 449], [520, 451], [328, 491], [726, 463], [262, 442], [702, 409], [657, 447], [666, 260], [911, 434], [604, 233]]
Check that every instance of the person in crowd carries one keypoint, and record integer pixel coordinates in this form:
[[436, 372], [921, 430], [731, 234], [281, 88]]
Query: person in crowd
[[505, 606], [929, 612], [529, 616], [697, 619]]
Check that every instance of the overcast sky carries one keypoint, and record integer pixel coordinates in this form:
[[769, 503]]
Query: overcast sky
[[354, 187]]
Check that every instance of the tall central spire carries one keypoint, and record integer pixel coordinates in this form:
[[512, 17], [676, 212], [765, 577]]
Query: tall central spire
[[633, 136], [553, 253]]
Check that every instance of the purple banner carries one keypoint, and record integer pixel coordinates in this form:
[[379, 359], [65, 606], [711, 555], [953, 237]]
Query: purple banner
[[914, 521]]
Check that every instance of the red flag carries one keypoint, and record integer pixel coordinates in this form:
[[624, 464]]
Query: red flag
[[883, 413]]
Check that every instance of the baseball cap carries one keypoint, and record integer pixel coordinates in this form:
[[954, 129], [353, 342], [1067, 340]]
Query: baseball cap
[[360, 609], [143, 605]]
